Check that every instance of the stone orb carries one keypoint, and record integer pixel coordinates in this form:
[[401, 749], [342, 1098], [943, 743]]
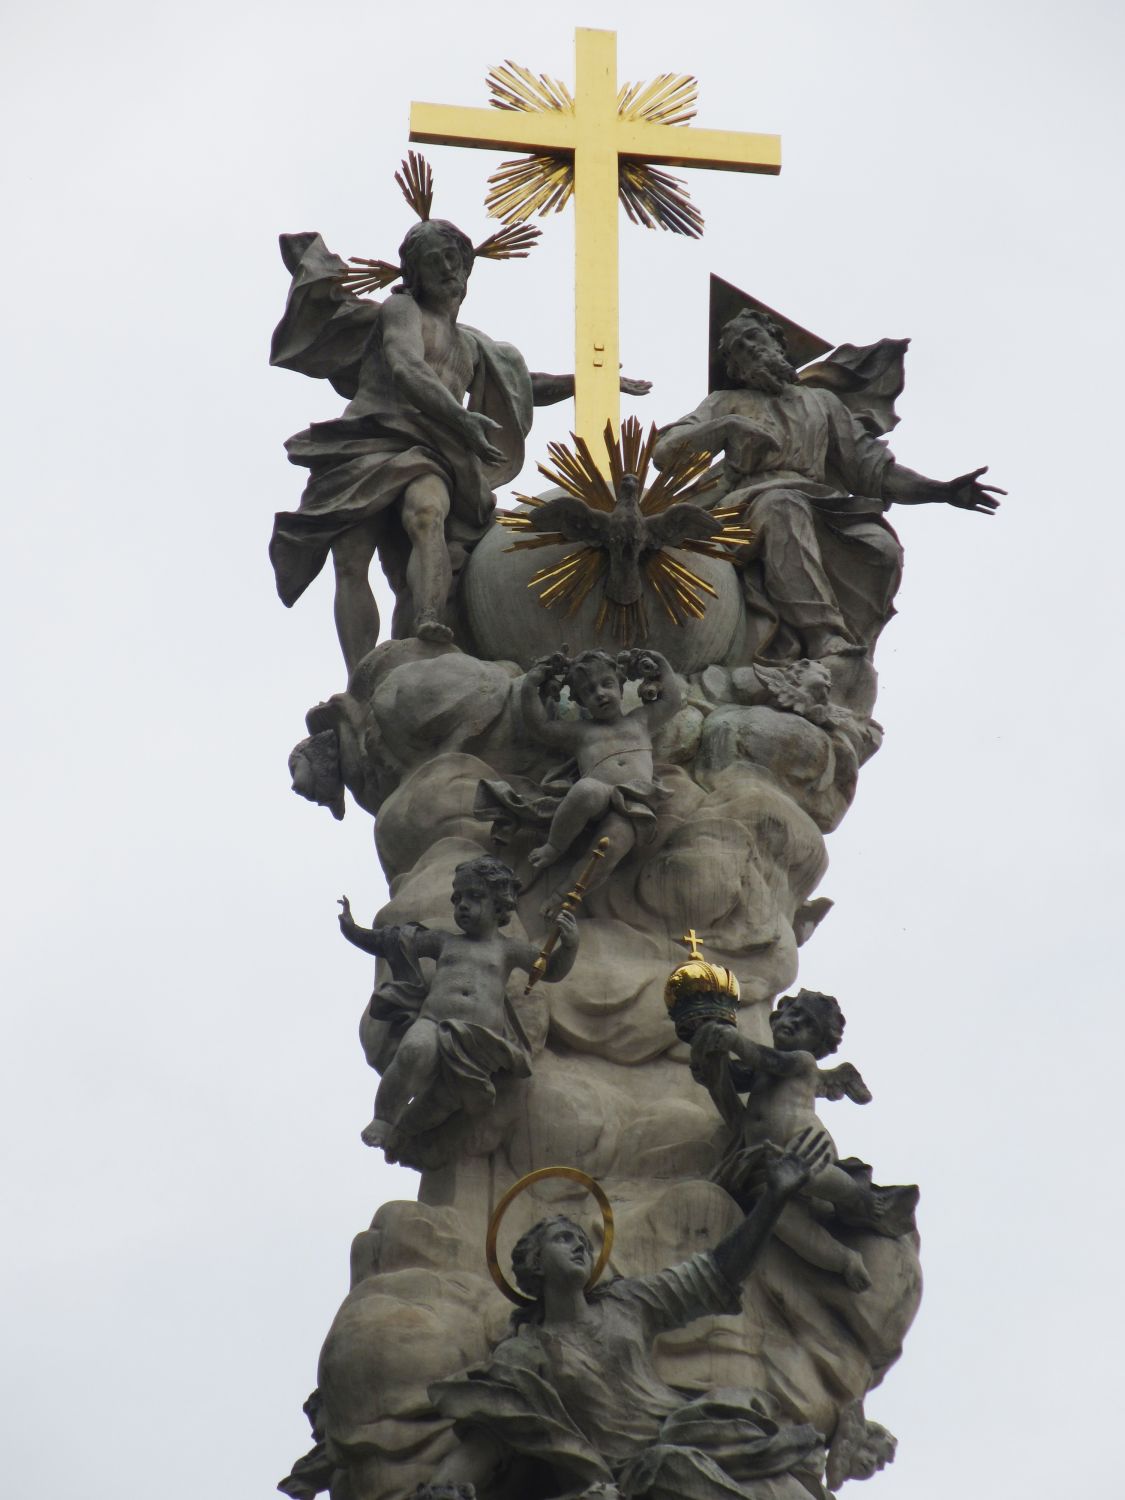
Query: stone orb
[[509, 624]]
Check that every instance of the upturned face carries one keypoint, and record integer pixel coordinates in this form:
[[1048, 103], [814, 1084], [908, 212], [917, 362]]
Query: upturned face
[[439, 270], [564, 1256], [599, 693], [796, 1029], [473, 908]]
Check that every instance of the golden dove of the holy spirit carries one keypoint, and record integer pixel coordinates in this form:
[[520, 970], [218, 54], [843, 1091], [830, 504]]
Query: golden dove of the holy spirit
[[600, 145]]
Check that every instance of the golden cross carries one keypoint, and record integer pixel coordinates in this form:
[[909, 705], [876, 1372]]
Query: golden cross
[[593, 130], [692, 937]]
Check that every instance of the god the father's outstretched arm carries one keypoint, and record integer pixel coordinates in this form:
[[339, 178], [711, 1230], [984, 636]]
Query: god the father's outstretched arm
[[736, 1254]]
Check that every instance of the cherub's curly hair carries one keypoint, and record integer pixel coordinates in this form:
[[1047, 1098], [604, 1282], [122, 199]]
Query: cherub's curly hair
[[500, 879], [592, 661], [826, 1009], [414, 243]]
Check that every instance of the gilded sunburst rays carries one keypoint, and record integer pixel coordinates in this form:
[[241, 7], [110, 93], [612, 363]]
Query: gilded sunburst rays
[[567, 583], [543, 183], [416, 183]]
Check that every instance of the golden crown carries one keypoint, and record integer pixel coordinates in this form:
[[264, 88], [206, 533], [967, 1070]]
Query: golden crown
[[698, 991]]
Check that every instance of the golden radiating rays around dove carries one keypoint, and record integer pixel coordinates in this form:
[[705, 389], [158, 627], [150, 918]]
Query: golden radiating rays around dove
[[625, 532]]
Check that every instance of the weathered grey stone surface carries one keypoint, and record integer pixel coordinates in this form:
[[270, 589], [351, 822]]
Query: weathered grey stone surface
[[574, 1389], [447, 1040], [436, 420], [756, 763], [781, 1084], [716, 761], [408, 468], [802, 454], [801, 1339], [507, 619]]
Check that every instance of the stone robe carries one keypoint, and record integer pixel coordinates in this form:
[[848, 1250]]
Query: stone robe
[[362, 462], [586, 1402], [823, 554]]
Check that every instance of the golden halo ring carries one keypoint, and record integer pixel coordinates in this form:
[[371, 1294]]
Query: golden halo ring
[[573, 1174]]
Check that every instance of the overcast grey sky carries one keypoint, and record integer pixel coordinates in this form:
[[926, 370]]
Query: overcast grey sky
[[182, 1086]]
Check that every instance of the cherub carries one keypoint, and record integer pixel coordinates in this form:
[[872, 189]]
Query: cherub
[[782, 1084], [616, 785], [456, 1033]]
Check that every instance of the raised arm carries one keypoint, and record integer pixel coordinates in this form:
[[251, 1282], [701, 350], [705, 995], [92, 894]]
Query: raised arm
[[736, 1254], [385, 942], [534, 711], [370, 939], [657, 676], [404, 353], [711, 1050], [710, 1066]]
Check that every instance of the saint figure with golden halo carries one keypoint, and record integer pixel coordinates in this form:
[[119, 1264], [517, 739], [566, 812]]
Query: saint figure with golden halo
[[570, 1401]]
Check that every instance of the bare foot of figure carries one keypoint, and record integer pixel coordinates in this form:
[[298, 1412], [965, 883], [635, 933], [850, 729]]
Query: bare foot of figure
[[430, 628], [376, 1133], [856, 1277], [545, 855]]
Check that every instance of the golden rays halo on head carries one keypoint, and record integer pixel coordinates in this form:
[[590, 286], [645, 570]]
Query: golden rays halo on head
[[572, 1174], [416, 183], [543, 183], [605, 516]]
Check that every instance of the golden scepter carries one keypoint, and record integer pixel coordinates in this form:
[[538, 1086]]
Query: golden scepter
[[570, 902]]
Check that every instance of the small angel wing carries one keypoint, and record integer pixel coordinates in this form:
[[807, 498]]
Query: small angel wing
[[779, 685], [668, 528], [845, 1079], [571, 518]]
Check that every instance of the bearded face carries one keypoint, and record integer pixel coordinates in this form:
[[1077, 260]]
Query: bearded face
[[754, 358]]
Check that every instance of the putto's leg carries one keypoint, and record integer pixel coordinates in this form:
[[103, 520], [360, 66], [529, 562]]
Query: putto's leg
[[429, 573], [813, 1243], [411, 1073], [622, 835], [586, 800]]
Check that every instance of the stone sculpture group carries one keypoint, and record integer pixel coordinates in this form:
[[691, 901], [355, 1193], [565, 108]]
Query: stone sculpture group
[[760, 1284]]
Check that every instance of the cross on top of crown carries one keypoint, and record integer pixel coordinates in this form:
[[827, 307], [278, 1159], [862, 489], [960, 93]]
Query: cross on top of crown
[[691, 937]]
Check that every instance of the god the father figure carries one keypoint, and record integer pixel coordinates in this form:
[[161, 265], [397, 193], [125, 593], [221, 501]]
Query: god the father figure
[[815, 482]]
